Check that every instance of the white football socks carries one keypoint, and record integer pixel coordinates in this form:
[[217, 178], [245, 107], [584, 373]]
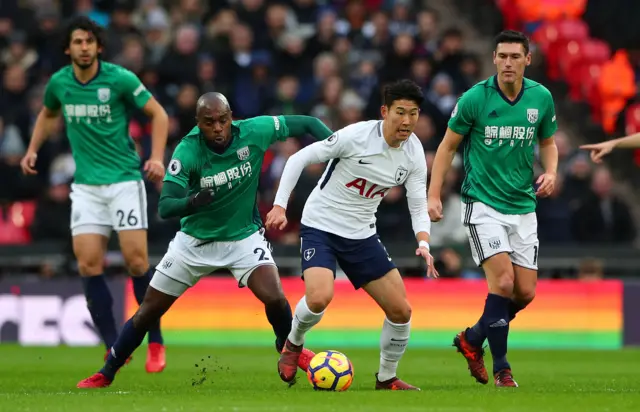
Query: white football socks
[[303, 321], [393, 342]]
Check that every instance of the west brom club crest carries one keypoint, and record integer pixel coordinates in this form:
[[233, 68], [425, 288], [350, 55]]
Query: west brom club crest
[[104, 94], [243, 153], [532, 115], [401, 174]]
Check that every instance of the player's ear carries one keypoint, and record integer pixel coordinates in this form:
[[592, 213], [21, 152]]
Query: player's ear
[[384, 111], [494, 57], [528, 59]]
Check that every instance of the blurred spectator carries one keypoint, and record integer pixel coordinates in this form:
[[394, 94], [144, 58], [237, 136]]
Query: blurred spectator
[[590, 270], [449, 231], [393, 219], [603, 217], [52, 217], [18, 53], [554, 216]]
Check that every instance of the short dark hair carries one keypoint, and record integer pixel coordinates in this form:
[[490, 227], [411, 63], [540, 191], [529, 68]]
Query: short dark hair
[[402, 90], [512, 36], [86, 24]]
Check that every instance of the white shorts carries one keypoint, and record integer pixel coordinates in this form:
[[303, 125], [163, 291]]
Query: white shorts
[[100, 209], [491, 232], [188, 259]]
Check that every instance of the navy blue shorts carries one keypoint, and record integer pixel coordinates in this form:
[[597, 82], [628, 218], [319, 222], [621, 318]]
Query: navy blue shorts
[[362, 260]]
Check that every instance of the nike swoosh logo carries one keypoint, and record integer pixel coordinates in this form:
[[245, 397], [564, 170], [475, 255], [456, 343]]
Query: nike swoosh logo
[[363, 163]]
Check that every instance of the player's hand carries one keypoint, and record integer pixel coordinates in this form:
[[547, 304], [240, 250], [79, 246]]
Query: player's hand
[[431, 268], [154, 169], [276, 218], [599, 150], [435, 209], [547, 183], [28, 163], [202, 198]]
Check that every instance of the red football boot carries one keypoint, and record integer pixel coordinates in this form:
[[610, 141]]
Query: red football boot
[[504, 379], [394, 384], [156, 360], [305, 359], [474, 356], [289, 361], [94, 381]]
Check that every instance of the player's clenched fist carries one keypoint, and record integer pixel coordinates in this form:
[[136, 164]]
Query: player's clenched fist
[[154, 169], [547, 183], [435, 209], [203, 197], [28, 163], [276, 218]]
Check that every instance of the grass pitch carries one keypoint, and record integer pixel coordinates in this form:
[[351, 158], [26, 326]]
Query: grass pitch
[[245, 379]]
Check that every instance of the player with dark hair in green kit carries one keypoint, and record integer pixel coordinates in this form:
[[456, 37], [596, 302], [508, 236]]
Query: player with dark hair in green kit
[[95, 98], [212, 184], [500, 121]]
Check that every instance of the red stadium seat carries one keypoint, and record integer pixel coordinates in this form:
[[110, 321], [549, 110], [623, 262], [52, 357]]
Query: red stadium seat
[[15, 222], [589, 75], [511, 19], [632, 119], [553, 39], [579, 56], [595, 51], [554, 31]]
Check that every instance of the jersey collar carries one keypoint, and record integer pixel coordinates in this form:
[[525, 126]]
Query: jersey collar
[[91, 79], [505, 98]]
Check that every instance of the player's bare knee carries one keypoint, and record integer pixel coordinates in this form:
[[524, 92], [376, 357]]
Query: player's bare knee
[[400, 313], [276, 300], [317, 301], [503, 285], [92, 266], [524, 297], [137, 264]]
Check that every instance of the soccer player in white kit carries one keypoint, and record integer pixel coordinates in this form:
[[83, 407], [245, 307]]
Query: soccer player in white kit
[[338, 223]]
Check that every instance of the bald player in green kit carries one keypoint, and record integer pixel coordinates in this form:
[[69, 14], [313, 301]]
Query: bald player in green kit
[[212, 185], [500, 121]]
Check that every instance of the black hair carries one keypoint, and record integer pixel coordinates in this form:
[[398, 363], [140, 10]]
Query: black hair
[[402, 90], [86, 24], [512, 36]]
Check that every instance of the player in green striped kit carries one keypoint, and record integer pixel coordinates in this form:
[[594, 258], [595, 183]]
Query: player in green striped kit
[[500, 121], [95, 99], [212, 184]]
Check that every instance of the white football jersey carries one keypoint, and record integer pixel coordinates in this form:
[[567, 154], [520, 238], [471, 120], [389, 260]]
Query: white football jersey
[[362, 169]]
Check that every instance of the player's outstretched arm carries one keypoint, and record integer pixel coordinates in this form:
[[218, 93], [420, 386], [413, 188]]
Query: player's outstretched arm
[[600, 150], [45, 123], [441, 164], [319, 152], [416, 187], [159, 133], [175, 201], [303, 125]]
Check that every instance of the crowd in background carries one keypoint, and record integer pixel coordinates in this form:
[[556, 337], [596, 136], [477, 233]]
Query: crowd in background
[[327, 59]]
